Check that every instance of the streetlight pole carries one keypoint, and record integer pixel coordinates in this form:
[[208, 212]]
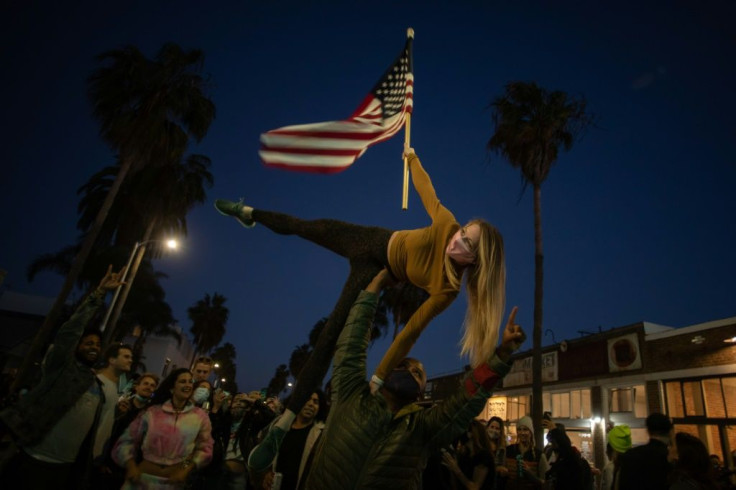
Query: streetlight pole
[[117, 303], [119, 288]]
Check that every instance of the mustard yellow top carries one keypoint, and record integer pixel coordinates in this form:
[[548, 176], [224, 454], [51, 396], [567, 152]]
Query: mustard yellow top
[[418, 256]]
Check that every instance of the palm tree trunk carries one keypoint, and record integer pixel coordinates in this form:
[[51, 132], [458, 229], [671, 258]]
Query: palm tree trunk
[[128, 283], [537, 334], [42, 336]]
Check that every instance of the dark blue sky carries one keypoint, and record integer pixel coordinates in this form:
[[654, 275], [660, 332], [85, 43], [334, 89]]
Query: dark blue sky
[[638, 220]]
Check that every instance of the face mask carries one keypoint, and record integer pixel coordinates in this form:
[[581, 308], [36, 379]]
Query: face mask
[[493, 433], [200, 395], [458, 250], [402, 384], [142, 399]]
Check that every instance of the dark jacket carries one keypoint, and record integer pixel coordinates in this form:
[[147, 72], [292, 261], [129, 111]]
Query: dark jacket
[[645, 467], [365, 445], [63, 382]]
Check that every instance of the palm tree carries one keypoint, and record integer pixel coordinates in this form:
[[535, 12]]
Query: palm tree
[[224, 356], [162, 198], [278, 382], [147, 306], [298, 358], [401, 300], [148, 110], [209, 317], [531, 124]]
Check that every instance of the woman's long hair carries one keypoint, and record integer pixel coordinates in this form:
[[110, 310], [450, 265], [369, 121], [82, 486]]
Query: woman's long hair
[[501, 443], [486, 289], [479, 437], [163, 392]]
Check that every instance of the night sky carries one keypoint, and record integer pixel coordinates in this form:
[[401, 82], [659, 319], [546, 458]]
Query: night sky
[[639, 219]]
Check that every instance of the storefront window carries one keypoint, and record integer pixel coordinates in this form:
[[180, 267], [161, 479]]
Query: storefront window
[[714, 406], [675, 406], [693, 398], [711, 397], [568, 405], [518, 406], [561, 405], [729, 395], [631, 399]]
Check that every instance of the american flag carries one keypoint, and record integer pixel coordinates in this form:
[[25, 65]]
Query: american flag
[[331, 147]]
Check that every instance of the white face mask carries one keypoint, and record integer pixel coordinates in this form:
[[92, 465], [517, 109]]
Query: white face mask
[[200, 395], [458, 250]]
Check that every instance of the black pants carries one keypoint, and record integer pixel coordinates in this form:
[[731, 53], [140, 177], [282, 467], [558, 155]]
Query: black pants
[[366, 249]]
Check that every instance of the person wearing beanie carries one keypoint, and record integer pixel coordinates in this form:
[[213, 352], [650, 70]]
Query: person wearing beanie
[[618, 442], [526, 463]]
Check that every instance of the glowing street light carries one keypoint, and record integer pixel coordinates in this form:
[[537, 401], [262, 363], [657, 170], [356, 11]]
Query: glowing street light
[[171, 244]]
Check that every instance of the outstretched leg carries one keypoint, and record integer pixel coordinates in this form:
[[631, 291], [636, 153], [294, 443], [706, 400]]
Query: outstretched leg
[[345, 239], [365, 247]]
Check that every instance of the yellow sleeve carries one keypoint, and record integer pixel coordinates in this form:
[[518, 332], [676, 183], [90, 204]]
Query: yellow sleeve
[[403, 342], [425, 189]]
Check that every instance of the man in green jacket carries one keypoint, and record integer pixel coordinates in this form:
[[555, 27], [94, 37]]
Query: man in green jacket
[[382, 441]]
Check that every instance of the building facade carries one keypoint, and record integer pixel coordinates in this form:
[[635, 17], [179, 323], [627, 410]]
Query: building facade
[[621, 376]]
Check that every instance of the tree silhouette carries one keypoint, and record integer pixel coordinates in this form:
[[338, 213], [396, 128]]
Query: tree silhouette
[[224, 356], [209, 317], [401, 301], [278, 382], [147, 110], [531, 125], [298, 358]]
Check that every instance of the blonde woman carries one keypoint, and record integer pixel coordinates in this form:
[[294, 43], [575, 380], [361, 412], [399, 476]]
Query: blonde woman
[[435, 258]]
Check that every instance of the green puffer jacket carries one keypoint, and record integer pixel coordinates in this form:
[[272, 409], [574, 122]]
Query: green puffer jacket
[[365, 446]]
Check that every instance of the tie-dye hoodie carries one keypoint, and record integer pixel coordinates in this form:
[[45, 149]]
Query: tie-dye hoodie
[[166, 437]]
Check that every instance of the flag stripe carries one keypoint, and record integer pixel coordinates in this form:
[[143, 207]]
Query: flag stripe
[[332, 146]]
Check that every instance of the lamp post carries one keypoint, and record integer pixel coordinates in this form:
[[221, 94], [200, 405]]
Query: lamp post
[[171, 244]]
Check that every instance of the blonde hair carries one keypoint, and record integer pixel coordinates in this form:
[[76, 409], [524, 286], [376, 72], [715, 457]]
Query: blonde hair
[[486, 289]]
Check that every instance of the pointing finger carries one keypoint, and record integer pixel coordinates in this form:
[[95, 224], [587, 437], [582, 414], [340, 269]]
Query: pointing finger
[[512, 315]]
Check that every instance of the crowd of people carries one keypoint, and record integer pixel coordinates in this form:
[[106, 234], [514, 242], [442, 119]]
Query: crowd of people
[[670, 460], [89, 423]]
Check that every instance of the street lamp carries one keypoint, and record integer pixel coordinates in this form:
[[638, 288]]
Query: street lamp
[[171, 244]]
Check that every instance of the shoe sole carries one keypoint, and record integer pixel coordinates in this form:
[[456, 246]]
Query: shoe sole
[[249, 224]]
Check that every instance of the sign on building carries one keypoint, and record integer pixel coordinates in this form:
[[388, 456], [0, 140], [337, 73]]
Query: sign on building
[[521, 370]]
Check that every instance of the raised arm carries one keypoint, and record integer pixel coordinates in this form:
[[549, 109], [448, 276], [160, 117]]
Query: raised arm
[[67, 338], [423, 186], [447, 420], [401, 346], [350, 353], [348, 370]]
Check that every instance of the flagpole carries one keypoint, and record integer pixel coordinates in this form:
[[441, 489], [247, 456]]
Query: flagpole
[[407, 144]]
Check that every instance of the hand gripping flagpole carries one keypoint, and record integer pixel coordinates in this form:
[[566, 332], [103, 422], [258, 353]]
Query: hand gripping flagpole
[[407, 144]]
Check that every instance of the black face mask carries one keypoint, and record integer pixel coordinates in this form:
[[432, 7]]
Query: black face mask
[[402, 385]]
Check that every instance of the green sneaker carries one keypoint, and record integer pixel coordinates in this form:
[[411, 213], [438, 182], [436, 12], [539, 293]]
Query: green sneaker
[[237, 210]]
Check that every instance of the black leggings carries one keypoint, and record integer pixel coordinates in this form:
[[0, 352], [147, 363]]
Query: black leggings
[[366, 249]]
